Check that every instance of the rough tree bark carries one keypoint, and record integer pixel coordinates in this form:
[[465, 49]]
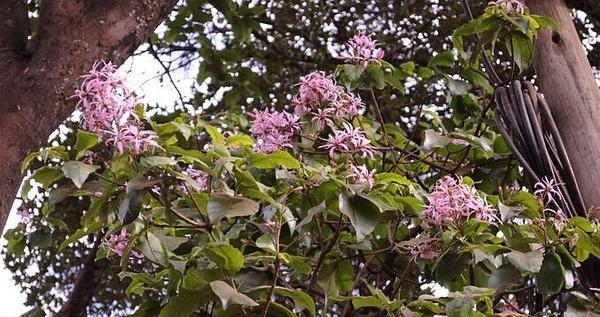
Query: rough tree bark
[[39, 74], [566, 79]]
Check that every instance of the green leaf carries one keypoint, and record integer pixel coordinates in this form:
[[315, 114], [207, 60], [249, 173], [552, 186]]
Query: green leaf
[[522, 50], [367, 301], [477, 79], [80, 233], [374, 77], [216, 136], [301, 300], [461, 307], [228, 295], [274, 160], [352, 71], [85, 141], [222, 205], [153, 161], [362, 212], [40, 238], [78, 172], [523, 198], [298, 263], [582, 223], [434, 140], [47, 175], [504, 278], [267, 242], [184, 304], [239, 139], [387, 178], [444, 59], [130, 207], [311, 214], [545, 22], [550, 279], [526, 262], [451, 265], [153, 249], [344, 276], [193, 280], [425, 306], [226, 257], [457, 87]]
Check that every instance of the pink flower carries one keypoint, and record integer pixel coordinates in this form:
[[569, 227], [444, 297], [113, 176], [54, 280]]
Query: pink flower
[[362, 49], [108, 110], [349, 140], [274, 130], [361, 175], [451, 201], [201, 178], [547, 190], [322, 117], [130, 137], [460, 142], [25, 216], [318, 91], [117, 243], [510, 6], [427, 250]]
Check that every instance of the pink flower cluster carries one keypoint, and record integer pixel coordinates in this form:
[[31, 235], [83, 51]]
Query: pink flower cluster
[[362, 49], [547, 190], [25, 216], [319, 94], [108, 108], [361, 175], [349, 140], [510, 6], [201, 178], [117, 242], [273, 130], [427, 250], [451, 201]]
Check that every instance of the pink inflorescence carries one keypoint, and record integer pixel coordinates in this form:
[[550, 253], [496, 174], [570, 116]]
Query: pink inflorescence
[[325, 100], [451, 201], [108, 109], [510, 6], [201, 178], [361, 175], [273, 130], [349, 140], [117, 243], [547, 190], [25, 216], [362, 49], [427, 250]]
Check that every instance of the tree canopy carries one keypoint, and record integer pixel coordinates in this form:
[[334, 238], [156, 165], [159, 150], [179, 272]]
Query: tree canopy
[[337, 159]]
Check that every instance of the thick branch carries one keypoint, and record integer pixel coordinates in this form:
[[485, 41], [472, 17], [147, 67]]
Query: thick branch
[[84, 286]]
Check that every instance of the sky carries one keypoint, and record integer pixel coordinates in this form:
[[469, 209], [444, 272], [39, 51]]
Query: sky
[[143, 77]]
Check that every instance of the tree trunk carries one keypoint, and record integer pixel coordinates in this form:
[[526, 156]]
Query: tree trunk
[[85, 285], [39, 75], [566, 80]]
